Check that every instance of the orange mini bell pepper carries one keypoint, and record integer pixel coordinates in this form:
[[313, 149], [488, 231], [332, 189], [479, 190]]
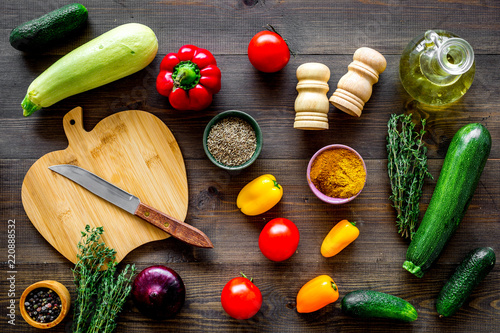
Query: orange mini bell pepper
[[316, 294], [260, 195], [341, 235]]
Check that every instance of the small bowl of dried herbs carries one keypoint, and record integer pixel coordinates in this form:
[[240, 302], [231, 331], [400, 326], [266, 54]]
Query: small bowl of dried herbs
[[232, 140], [44, 304], [336, 174]]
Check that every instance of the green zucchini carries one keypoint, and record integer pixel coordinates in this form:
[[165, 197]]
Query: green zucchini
[[115, 54], [46, 30], [464, 162], [471, 271], [375, 304]]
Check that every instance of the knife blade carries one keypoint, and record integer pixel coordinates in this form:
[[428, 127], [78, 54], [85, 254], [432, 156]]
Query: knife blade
[[132, 204]]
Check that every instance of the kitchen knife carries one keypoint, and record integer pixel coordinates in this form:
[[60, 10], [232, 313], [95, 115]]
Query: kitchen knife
[[133, 205]]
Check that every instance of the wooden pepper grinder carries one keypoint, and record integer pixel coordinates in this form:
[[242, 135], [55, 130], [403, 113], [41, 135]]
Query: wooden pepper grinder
[[355, 88], [311, 105]]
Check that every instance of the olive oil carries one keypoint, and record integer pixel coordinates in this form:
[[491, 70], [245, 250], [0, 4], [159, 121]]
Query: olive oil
[[437, 67]]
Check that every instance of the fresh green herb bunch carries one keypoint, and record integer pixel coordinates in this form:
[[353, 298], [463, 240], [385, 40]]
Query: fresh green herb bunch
[[112, 295], [100, 296], [407, 168]]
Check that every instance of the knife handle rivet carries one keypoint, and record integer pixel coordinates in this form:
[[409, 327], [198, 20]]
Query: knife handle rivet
[[146, 213], [166, 224]]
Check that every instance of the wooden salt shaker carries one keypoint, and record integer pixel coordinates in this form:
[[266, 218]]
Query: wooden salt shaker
[[311, 105], [355, 88]]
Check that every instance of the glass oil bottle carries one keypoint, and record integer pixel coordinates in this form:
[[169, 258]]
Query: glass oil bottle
[[437, 67]]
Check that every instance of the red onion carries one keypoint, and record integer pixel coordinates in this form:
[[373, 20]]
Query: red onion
[[158, 292]]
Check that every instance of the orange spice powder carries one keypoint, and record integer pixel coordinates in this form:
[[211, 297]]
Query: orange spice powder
[[338, 173]]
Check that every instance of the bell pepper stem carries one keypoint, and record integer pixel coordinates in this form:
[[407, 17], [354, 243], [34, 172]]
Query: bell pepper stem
[[186, 75]]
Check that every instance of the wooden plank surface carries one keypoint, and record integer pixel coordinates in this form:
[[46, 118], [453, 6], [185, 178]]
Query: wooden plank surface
[[322, 31]]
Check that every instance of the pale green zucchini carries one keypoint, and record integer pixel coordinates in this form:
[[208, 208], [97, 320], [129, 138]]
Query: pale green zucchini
[[115, 54]]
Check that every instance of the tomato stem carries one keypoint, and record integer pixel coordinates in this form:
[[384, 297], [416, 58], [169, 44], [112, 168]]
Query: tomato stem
[[242, 274], [276, 32]]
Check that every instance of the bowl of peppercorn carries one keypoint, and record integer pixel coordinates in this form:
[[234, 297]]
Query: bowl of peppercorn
[[44, 304], [336, 174], [232, 140]]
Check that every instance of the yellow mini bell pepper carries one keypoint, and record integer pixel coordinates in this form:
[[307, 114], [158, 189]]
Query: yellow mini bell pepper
[[341, 235], [316, 294], [260, 195]]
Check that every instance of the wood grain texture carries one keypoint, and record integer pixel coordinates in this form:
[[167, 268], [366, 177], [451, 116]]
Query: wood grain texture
[[133, 150], [268, 98], [318, 31], [173, 226], [354, 89], [312, 105]]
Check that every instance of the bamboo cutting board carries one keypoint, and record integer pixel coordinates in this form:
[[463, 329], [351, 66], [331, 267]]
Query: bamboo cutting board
[[131, 149]]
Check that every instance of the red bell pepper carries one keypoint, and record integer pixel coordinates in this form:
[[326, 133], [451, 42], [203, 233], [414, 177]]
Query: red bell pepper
[[189, 78]]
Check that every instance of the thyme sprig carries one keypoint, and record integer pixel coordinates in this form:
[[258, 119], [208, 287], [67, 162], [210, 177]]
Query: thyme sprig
[[100, 296], [112, 297], [407, 169]]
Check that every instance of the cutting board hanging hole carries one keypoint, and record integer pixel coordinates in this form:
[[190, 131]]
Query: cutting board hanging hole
[[73, 127]]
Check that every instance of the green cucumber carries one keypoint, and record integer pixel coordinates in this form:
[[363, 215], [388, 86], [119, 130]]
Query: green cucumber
[[48, 29], [464, 162], [115, 54], [375, 304], [471, 271]]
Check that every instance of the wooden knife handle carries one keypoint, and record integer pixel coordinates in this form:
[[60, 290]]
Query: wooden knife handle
[[174, 227]]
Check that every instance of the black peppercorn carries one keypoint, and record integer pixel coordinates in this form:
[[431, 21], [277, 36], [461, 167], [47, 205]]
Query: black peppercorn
[[43, 305]]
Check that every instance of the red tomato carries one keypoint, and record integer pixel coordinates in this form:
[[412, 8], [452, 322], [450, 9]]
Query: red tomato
[[279, 239], [268, 52], [240, 298]]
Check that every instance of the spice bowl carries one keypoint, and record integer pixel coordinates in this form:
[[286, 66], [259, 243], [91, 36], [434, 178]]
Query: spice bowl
[[232, 140], [336, 174], [56, 287]]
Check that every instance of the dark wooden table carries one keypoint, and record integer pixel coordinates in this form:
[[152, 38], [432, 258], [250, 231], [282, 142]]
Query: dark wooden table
[[318, 31]]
